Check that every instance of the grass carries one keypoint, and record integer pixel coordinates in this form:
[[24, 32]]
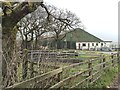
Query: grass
[[106, 79]]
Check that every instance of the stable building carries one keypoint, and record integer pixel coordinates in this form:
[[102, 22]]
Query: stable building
[[81, 39], [77, 39]]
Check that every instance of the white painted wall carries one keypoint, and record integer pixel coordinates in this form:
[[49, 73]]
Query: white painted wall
[[109, 44], [92, 45]]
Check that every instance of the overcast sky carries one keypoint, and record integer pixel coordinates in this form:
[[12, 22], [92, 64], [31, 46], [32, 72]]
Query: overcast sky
[[100, 17]]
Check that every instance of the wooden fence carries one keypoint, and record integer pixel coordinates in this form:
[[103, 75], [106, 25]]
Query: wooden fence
[[72, 76], [88, 76], [34, 60]]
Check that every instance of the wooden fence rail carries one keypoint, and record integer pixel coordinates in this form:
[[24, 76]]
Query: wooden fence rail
[[88, 71], [27, 83]]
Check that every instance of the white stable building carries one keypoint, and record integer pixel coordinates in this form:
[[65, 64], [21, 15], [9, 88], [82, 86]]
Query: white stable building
[[84, 40]]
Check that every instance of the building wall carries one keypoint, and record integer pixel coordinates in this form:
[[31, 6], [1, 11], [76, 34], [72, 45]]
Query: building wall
[[92, 45], [108, 44]]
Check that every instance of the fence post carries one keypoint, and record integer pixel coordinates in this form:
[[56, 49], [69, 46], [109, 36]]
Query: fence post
[[112, 59], [59, 79], [31, 65], [90, 70], [31, 69], [101, 61], [104, 61], [25, 64], [118, 57]]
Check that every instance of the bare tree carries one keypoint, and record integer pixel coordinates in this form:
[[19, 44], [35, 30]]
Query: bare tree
[[12, 14], [32, 26], [62, 21]]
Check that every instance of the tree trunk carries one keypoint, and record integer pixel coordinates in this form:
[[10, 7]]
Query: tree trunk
[[36, 43], [57, 41], [9, 37], [8, 61], [25, 58]]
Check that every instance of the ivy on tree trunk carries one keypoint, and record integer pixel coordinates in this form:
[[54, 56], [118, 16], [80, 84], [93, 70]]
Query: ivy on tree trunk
[[9, 22]]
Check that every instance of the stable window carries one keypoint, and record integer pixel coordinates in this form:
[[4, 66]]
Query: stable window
[[96, 44], [101, 44], [83, 44], [92, 44]]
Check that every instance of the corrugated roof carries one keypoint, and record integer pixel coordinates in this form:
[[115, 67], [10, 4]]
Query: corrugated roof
[[81, 35]]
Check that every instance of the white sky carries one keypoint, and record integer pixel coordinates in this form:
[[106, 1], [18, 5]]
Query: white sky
[[100, 17]]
